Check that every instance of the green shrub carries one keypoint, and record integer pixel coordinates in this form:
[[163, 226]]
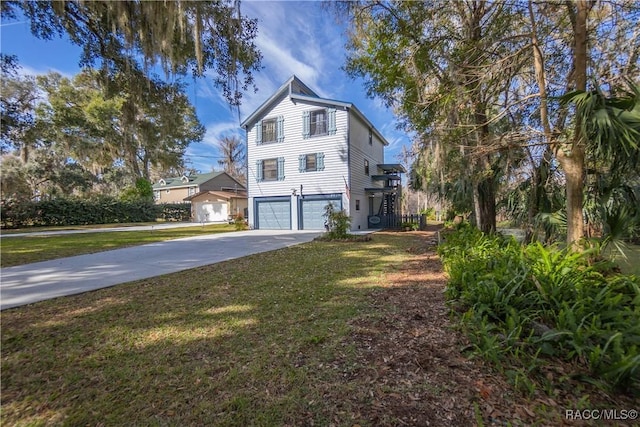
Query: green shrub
[[429, 212], [16, 213], [98, 210], [240, 223], [535, 302], [337, 222]]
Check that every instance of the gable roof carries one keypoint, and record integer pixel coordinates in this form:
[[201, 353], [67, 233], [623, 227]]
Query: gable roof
[[298, 91], [227, 195], [185, 181]]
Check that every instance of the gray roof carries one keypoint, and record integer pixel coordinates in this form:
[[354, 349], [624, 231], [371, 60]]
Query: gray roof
[[392, 167], [185, 181]]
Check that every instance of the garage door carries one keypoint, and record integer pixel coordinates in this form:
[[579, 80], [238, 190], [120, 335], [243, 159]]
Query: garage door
[[273, 215], [313, 211], [211, 211]]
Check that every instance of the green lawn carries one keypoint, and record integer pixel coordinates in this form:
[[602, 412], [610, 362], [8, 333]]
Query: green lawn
[[630, 264], [76, 227], [27, 249], [254, 341]]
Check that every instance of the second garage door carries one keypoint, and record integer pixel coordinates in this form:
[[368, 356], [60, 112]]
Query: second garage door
[[273, 214], [313, 212]]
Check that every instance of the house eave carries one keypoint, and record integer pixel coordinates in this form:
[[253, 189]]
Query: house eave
[[309, 99], [227, 195], [321, 101], [373, 128], [285, 88]]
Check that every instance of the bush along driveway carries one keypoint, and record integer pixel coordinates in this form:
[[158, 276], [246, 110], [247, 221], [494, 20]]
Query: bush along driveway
[[324, 333]]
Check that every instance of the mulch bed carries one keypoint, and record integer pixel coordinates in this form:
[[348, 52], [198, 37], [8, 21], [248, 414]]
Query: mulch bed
[[413, 368]]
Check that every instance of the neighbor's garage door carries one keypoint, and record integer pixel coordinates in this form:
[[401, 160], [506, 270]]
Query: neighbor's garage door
[[273, 214], [211, 211], [313, 211]]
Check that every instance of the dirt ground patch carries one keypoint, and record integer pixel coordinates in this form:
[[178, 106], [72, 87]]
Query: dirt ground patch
[[414, 366]]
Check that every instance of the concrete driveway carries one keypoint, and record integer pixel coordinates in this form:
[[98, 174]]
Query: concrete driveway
[[40, 281]]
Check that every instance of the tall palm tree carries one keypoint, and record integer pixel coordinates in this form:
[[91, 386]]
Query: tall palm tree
[[611, 124]]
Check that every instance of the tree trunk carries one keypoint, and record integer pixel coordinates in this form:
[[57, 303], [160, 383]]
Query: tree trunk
[[573, 166], [486, 197], [571, 156], [487, 205], [572, 159], [539, 173], [477, 212], [533, 208], [24, 153]]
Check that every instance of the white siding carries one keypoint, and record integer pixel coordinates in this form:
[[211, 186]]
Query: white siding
[[331, 180], [359, 151], [343, 151]]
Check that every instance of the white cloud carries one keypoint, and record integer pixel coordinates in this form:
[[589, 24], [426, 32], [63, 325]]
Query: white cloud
[[278, 56], [204, 88], [292, 41], [25, 70], [266, 87]]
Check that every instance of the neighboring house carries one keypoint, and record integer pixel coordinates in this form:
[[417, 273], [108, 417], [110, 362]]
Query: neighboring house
[[176, 189], [304, 151], [215, 206]]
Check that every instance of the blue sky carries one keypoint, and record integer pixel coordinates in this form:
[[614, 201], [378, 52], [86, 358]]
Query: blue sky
[[295, 37]]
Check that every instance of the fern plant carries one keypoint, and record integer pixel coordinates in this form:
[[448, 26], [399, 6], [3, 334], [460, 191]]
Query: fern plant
[[538, 301]]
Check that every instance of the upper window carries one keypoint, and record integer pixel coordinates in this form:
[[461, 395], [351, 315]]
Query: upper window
[[269, 130], [370, 137], [318, 122], [366, 167]]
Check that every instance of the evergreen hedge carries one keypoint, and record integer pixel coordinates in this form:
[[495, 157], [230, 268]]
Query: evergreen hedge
[[100, 210]]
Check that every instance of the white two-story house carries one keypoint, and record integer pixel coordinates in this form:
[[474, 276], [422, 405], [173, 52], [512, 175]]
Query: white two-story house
[[304, 151]]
